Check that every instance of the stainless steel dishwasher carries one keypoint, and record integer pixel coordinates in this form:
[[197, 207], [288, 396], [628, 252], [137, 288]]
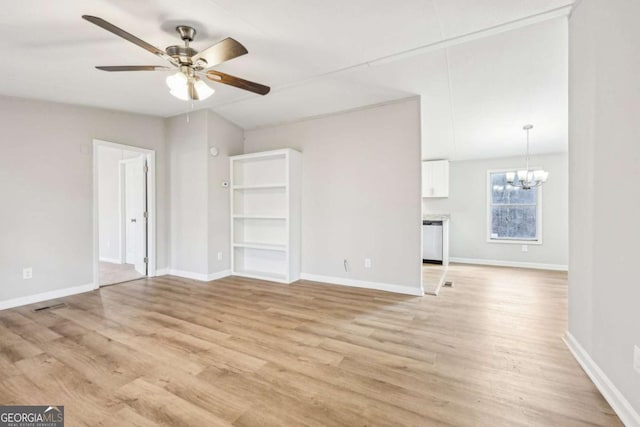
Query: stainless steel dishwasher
[[432, 242]]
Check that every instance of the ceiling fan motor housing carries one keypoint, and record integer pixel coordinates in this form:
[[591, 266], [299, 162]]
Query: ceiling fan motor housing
[[181, 53], [186, 33]]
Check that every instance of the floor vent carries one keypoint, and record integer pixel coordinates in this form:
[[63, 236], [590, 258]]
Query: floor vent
[[50, 307]]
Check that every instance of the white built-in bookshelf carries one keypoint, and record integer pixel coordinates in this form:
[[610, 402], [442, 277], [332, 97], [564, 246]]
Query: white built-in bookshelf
[[265, 215]]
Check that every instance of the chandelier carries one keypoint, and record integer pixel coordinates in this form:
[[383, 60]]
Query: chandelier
[[525, 178]]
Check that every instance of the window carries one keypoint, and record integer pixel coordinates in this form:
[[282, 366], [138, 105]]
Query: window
[[514, 214]]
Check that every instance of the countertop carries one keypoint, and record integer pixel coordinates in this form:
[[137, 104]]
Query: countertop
[[436, 217]]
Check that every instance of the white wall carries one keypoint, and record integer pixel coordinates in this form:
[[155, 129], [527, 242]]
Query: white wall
[[361, 191], [109, 201], [467, 204], [199, 205], [46, 179], [477, 95], [604, 151]]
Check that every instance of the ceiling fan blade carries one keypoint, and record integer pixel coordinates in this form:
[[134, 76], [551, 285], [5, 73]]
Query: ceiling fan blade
[[220, 52], [133, 68], [125, 35], [227, 79]]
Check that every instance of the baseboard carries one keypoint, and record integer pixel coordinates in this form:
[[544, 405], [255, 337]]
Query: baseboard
[[219, 275], [162, 272], [618, 402], [435, 292], [398, 289], [46, 296], [111, 260], [199, 276], [498, 263]]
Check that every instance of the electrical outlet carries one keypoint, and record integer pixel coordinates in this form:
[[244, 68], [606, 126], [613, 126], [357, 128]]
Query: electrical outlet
[[367, 263], [525, 248], [219, 256], [27, 273], [636, 358]]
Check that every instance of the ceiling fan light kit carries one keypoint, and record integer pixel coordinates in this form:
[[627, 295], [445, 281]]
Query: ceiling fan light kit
[[527, 179], [187, 83]]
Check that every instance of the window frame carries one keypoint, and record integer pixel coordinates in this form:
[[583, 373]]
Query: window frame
[[538, 240]]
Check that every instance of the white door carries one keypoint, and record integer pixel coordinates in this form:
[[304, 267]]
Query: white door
[[135, 203]]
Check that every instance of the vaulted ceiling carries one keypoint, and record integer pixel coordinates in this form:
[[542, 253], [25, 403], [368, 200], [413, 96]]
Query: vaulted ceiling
[[482, 67]]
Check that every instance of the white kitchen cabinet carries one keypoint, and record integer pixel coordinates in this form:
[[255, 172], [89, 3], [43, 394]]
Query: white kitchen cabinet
[[435, 178], [266, 215]]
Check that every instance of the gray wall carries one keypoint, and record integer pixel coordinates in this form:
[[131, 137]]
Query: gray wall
[[229, 140], [199, 204], [46, 214], [467, 204], [46, 178], [362, 187], [604, 149], [187, 146], [361, 190]]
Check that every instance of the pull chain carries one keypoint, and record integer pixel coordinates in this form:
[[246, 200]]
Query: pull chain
[[190, 109], [527, 149], [528, 128]]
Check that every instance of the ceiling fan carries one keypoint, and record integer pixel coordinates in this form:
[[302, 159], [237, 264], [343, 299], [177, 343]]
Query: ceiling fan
[[187, 83]]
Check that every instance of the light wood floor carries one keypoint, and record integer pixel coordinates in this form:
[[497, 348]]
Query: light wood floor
[[110, 273], [487, 352], [433, 277]]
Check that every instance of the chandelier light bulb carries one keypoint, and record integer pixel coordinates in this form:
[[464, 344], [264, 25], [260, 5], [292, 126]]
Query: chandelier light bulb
[[203, 89], [511, 176], [177, 81], [180, 93]]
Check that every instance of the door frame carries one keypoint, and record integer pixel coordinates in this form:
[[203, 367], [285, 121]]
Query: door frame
[[150, 156]]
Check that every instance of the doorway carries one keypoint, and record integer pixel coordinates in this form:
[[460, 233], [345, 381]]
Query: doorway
[[124, 213]]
